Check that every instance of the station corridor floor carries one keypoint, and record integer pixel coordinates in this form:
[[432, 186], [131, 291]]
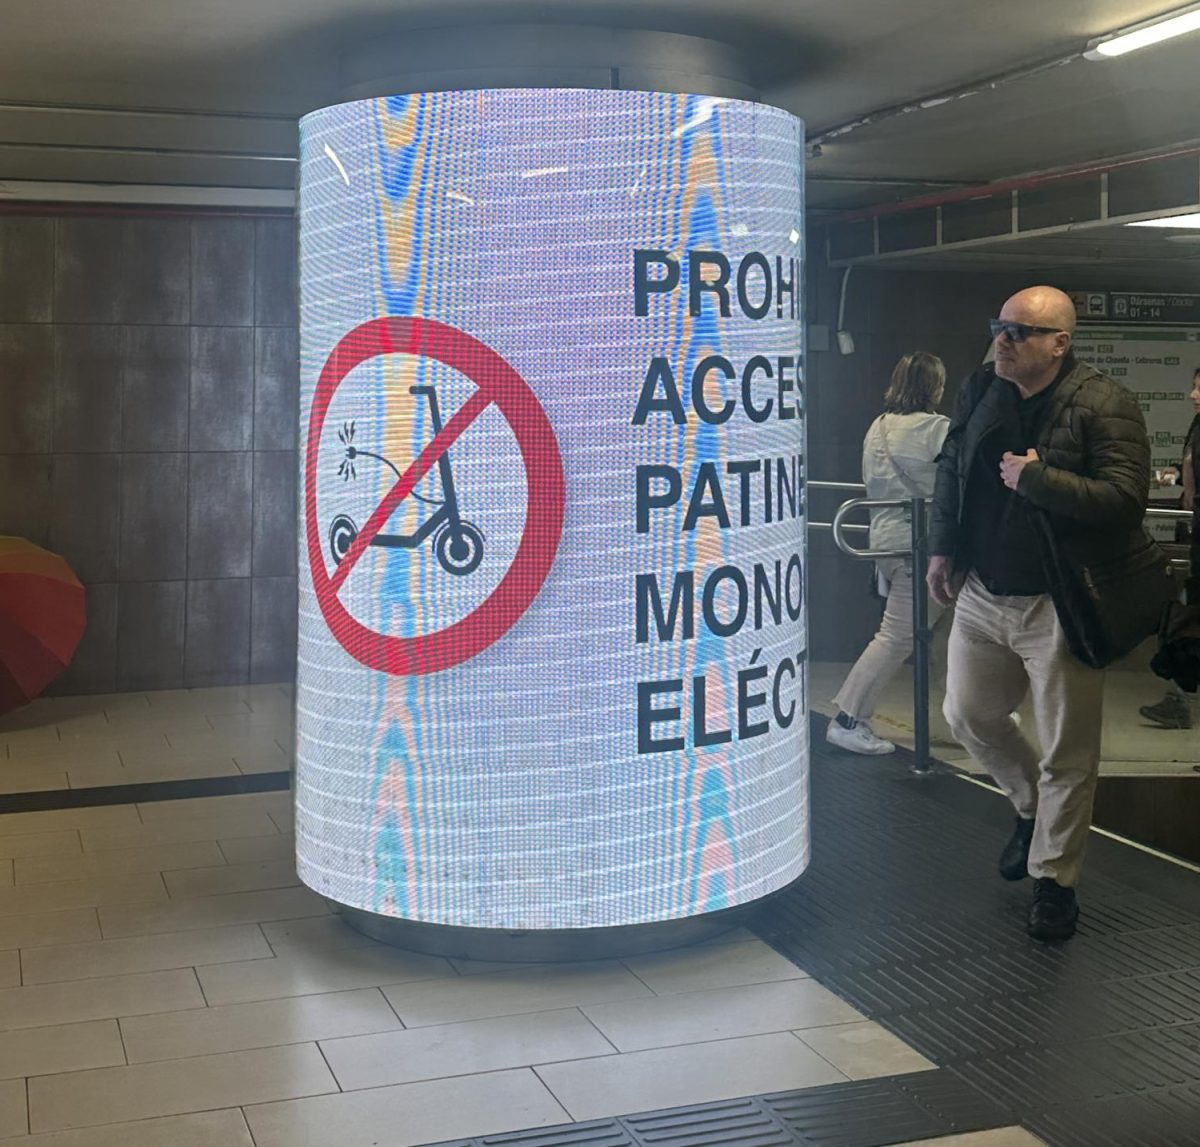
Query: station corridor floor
[[166, 982], [1131, 745]]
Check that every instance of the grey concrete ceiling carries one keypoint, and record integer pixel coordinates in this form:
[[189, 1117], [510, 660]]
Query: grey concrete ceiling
[[829, 61]]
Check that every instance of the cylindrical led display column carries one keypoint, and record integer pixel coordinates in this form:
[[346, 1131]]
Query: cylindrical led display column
[[552, 663]]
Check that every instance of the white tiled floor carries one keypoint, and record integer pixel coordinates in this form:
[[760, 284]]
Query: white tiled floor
[[166, 981], [128, 738]]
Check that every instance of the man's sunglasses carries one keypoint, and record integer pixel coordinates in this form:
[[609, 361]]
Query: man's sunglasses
[[1019, 332]]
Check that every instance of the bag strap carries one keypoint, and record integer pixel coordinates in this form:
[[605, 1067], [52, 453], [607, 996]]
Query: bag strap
[[905, 479]]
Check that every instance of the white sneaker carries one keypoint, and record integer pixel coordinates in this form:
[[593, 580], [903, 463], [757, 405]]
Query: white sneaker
[[860, 739]]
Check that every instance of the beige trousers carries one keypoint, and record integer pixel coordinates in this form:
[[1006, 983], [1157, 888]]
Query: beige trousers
[[878, 663], [1000, 648]]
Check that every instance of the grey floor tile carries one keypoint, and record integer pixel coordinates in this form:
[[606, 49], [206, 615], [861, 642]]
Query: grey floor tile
[[320, 933], [696, 1017], [156, 858], [864, 1050], [200, 946], [88, 892], [205, 1129], [72, 926], [309, 973], [695, 1073], [212, 912], [14, 1115], [1000, 1137], [410, 1114], [69, 1047], [230, 878], [176, 1087], [231, 826], [110, 997], [514, 991], [256, 850], [462, 1049], [712, 966], [273, 1023]]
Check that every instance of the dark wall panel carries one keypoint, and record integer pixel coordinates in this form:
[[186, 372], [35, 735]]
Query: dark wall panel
[[275, 267], [274, 514], [25, 496], [273, 629], [87, 267], [143, 361], [87, 406], [154, 406], [26, 388], [85, 496], [217, 650], [155, 282], [150, 635], [154, 538], [223, 273], [26, 269], [222, 395], [276, 388], [220, 542]]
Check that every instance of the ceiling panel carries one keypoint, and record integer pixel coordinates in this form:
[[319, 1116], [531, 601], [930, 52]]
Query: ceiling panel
[[829, 61]]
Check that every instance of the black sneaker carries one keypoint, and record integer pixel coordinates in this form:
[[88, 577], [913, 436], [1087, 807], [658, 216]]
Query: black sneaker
[[1172, 712], [1014, 860], [1053, 914]]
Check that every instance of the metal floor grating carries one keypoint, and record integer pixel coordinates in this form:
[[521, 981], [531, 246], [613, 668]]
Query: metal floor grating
[[1092, 1043], [870, 1113]]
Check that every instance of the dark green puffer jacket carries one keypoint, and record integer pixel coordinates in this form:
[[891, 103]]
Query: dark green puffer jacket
[[1092, 480]]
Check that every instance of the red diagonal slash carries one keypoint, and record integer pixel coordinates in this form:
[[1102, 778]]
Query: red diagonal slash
[[425, 461], [497, 383]]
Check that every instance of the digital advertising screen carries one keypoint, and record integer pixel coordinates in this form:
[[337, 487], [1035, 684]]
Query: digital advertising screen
[[552, 641]]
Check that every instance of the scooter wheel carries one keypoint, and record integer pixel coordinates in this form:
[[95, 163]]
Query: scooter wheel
[[459, 550], [342, 532]]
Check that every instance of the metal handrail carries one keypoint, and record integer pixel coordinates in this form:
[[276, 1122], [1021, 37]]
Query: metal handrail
[[859, 487], [837, 486], [1152, 512], [839, 523]]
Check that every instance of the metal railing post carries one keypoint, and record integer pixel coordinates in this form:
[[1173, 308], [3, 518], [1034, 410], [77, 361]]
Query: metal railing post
[[922, 636]]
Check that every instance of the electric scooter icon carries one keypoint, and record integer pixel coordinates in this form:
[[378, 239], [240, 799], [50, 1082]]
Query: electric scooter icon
[[457, 544]]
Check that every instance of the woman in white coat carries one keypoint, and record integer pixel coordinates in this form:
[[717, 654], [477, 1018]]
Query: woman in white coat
[[899, 456]]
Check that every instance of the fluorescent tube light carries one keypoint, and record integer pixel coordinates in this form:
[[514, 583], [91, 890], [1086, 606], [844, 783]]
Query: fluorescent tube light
[[1144, 35], [1190, 221]]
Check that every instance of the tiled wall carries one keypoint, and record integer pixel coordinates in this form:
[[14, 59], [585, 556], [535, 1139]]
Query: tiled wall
[[148, 395]]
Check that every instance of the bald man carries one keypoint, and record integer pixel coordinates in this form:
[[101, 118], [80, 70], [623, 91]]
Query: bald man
[[1046, 466]]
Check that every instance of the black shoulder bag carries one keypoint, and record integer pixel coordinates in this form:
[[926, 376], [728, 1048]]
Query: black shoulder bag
[[1107, 609]]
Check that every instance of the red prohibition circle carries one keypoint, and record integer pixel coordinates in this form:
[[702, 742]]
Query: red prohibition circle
[[495, 382]]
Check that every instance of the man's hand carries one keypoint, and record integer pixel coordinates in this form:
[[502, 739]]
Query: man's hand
[[942, 581], [1012, 464]]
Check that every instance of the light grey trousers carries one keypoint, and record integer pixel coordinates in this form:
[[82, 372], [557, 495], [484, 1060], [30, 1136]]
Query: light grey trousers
[[878, 663], [1000, 649]]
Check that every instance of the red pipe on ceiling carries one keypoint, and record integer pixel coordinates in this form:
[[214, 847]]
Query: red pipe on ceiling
[[1003, 187]]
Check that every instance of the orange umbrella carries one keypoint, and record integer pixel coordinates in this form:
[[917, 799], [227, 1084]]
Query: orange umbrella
[[42, 618]]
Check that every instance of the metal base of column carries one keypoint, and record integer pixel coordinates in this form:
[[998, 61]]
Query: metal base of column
[[549, 946]]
